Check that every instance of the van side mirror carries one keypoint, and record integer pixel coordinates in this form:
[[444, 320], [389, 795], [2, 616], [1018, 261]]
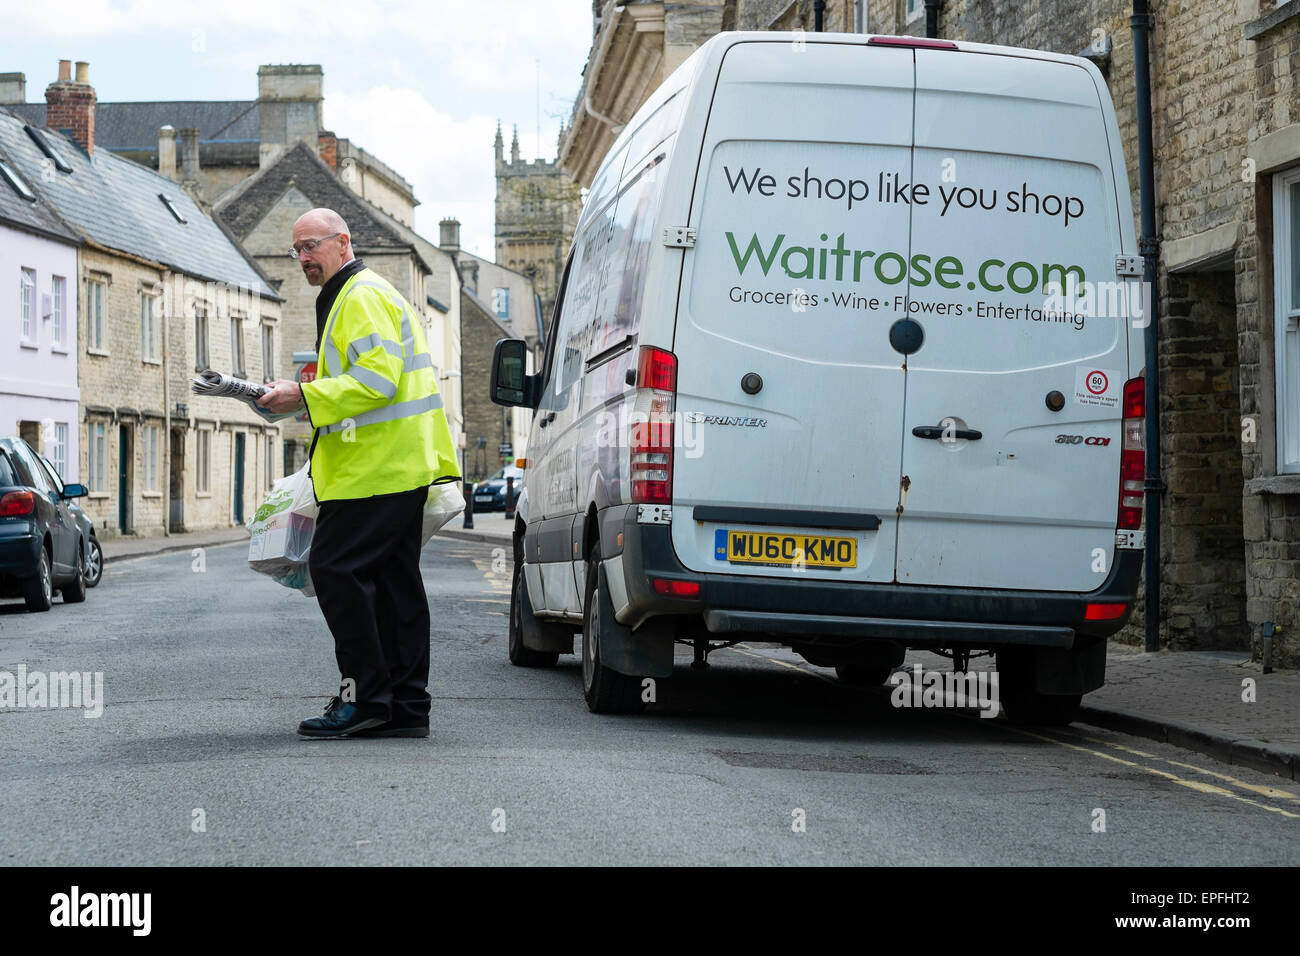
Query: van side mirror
[[510, 383], [75, 491]]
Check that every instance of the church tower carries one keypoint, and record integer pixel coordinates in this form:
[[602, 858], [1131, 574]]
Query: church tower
[[537, 208]]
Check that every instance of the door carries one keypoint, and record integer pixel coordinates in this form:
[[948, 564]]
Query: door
[[239, 478], [176, 482], [1022, 195], [124, 479], [788, 393]]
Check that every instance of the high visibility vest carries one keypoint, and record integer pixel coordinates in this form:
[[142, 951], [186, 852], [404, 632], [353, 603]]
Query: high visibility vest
[[380, 425]]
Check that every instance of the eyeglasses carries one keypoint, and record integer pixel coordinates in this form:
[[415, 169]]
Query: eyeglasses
[[309, 245]]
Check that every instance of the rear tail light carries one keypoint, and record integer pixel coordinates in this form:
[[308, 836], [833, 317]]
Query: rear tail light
[[652, 427], [681, 589], [1132, 459], [16, 503], [1104, 612]]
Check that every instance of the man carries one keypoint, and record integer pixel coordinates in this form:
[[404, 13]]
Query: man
[[380, 440]]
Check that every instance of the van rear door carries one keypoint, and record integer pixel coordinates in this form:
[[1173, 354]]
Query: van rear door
[[784, 195], [1022, 195]]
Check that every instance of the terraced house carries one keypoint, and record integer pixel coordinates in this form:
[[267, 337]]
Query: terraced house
[[159, 291]]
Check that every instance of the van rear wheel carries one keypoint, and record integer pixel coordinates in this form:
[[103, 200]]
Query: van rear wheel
[[606, 690]]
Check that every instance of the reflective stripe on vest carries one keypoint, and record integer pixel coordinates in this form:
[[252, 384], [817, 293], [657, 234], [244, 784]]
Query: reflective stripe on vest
[[388, 413], [411, 361]]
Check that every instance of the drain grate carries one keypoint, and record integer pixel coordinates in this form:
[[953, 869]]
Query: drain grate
[[822, 762]]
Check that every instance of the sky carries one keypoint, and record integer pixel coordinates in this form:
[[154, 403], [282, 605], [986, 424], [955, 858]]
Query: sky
[[419, 85]]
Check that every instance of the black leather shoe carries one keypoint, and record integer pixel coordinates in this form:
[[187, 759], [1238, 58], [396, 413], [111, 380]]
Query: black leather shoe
[[340, 720], [393, 729]]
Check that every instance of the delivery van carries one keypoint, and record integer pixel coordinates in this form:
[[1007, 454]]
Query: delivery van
[[846, 356]]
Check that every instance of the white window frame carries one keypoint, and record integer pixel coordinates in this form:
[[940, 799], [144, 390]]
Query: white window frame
[[203, 461], [27, 306], [499, 293], [149, 457], [149, 326], [97, 449], [913, 10], [237, 344], [59, 449], [268, 351], [1286, 327], [58, 298], [96, 308], [202, 338]]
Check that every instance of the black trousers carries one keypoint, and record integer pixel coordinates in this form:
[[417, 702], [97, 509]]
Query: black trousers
[[365, 567]]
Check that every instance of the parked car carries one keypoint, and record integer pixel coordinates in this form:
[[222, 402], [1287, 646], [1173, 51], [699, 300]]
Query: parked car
[[490, 493], [42, 545], [812, 375], [94, 553]]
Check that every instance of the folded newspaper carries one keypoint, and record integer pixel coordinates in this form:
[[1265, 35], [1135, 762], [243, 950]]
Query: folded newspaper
[[210, 382]]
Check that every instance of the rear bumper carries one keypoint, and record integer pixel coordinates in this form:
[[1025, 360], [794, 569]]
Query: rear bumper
[[802, 609], [20, 549]]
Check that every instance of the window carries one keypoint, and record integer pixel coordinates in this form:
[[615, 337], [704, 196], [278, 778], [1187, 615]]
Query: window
[[148, 326], [58, 294], [171, 208], [201, 358], [268, 352], [17, 182], [149, 459], [59, 448], [501, 303], [30, 468], [237, 345], [914, 10], [1286, 323], [97, 447], [48, 149], [27, 306], [95, 289], [203, 479]]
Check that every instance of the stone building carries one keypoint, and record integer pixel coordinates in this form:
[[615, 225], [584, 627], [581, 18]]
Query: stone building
[[537, 209], [1226, 133], [161, 290]]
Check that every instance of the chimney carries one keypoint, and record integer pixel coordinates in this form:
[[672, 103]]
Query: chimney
[[167, 152], [288, 108], [327, 146], [13, 87], [190, 161], [70, 104], [449, 235]]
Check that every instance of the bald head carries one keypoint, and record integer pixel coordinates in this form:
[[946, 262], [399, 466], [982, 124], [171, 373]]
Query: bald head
[[333, 244]]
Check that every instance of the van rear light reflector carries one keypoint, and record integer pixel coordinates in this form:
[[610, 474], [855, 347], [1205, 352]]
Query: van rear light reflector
[[920, 42], [1104, 612], [1132, 457], [682, 589], [651, 457], [17, 503]]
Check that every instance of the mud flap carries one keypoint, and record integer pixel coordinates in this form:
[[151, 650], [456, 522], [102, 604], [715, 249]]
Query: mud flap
[[645, 652], [1076, 670]]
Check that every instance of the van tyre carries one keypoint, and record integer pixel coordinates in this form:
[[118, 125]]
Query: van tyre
[[75, 591], [1025, 705], [607, 691], [38, 591], [521, 619]]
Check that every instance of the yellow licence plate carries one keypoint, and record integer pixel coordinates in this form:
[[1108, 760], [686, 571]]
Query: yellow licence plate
[[785, 550]]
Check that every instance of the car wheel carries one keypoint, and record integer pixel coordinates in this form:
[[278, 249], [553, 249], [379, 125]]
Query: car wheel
[[521, 617], [94, 562], [606, 690], [75, 591], [38, 591]]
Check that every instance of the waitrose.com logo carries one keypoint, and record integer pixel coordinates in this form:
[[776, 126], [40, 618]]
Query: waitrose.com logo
[[839, 263]]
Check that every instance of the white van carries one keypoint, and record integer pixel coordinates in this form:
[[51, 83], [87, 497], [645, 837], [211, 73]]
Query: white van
[[846, 356]]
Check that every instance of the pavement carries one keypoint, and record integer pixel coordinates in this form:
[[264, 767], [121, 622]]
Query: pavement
[[1218, 703]]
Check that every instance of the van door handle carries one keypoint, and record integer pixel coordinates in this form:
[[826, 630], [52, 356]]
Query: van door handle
[[547, 419], [938, 431]]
